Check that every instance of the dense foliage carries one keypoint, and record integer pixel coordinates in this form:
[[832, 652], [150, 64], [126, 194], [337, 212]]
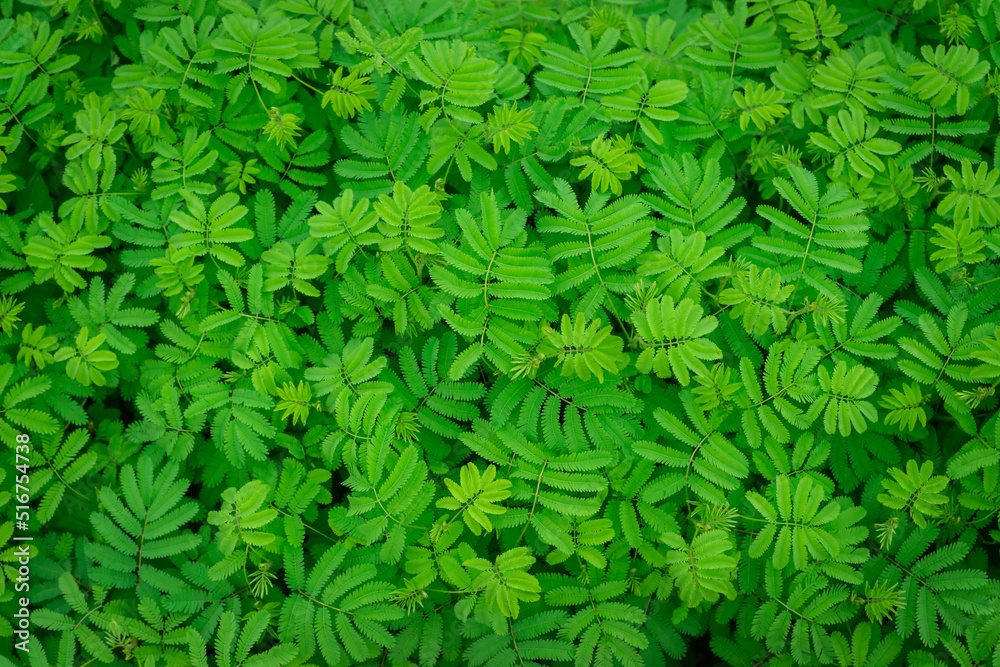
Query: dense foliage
[[502, 333]]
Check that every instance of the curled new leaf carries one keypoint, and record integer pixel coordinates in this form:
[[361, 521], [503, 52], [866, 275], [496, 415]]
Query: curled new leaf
[[673, 339], [408, 218], [916, 490], [476, 497], [702, 569], [85, 362], [506, 581], [583, 349], [610, 162], [947, 73], [843, 396]]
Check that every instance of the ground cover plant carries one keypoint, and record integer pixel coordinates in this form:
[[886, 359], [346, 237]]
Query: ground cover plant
[[556, 332]]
